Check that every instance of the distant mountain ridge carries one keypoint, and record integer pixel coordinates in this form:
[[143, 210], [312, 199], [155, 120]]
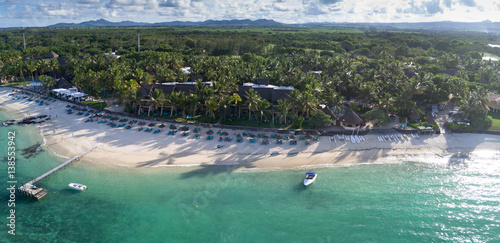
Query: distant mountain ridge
[[234, 22], [485, 26]]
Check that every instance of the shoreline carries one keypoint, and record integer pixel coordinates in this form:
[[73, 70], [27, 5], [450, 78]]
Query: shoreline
[[67, 135]]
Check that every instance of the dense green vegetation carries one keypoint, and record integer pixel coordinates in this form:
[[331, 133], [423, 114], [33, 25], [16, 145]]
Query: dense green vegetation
[[392, 71]]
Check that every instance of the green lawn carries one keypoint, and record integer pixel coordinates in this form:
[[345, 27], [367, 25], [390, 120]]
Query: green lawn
[[495, 117], [490, 55], [16, 83], [95, 104]]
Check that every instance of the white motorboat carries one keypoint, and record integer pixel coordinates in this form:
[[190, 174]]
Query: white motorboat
[[310, 178], [77, 186]]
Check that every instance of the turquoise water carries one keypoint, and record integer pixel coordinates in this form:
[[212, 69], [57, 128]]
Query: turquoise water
[[404, 202]]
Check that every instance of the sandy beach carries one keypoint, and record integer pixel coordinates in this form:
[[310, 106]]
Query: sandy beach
[[68, 134]]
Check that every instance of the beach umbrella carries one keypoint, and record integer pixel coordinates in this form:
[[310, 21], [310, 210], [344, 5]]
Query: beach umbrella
[[308, 136], [210, 132], [161, 126], [131, 122], [239, 135], [224, 134], [265, 136], [252, 135], [141, 123], [68, 106], [184, 128], [151, 124], [173, 127]]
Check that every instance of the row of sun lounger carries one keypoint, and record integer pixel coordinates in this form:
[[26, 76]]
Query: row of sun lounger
[[396, 137]]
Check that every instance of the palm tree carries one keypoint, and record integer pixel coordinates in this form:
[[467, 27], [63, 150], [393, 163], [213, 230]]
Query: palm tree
[[253, 101], [54, 66], [294, 100], [404, 104], [31, 65], [228, 101], [211, 106], [48, 82], [308, 102], [157, 99], [283, 109]]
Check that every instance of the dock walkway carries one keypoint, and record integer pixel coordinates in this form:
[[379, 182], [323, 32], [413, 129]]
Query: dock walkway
[[29, 189]]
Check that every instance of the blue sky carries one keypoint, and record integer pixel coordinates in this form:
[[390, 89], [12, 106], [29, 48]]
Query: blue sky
[[39, 13]]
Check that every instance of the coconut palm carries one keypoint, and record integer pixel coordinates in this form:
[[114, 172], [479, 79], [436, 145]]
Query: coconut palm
[[283, 108], [308, 102], [253, 101], [48, 82], [211, 106]]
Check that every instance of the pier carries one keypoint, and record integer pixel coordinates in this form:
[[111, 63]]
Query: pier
[[29, 189]]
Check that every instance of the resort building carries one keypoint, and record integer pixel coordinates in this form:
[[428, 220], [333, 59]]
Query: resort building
[[350, 121], [494, 102]]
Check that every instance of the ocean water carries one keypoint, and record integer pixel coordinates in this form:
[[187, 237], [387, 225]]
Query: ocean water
[[456, 201]]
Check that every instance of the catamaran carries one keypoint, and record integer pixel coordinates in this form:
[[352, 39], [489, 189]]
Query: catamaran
[[310, 178]]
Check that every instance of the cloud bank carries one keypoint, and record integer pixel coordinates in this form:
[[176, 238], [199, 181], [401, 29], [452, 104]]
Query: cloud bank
[[26, 13]]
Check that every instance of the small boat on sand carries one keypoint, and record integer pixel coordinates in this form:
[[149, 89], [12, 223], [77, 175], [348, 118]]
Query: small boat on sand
[[310, 178], [77, 186]]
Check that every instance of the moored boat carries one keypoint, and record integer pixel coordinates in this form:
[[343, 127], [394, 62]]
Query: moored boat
[[310, 178], [77, 186]]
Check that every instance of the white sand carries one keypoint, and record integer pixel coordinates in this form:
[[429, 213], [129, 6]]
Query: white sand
[[132, 148]]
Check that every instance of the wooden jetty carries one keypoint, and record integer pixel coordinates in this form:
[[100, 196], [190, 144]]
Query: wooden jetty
[[29, 189]]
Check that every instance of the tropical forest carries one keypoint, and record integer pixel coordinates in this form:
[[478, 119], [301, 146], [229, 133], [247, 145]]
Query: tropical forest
[[376, 73]]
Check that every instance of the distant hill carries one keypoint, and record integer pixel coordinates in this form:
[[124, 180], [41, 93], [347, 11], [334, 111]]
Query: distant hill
[[235, 22], [485, 26]]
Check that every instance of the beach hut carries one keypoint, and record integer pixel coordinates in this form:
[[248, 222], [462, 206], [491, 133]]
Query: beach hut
[[430, 120], [329, 112], [425, 130], [350, 120], [414, 116], [51, 54], [62, 83]]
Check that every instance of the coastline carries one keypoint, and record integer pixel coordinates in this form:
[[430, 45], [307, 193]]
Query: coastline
[[138, 149]]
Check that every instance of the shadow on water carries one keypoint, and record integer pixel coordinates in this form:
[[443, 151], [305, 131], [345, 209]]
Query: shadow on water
[[459, 160]]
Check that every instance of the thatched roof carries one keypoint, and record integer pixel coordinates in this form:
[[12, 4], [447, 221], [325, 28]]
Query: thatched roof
[[62, 83], [144, 90], [351, 118], [51, 54], [414, 116], [329, 112], [167, 89], [430, 120]]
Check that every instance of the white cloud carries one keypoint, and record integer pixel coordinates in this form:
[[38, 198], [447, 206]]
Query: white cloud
[[286, 11], [61, 9]]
